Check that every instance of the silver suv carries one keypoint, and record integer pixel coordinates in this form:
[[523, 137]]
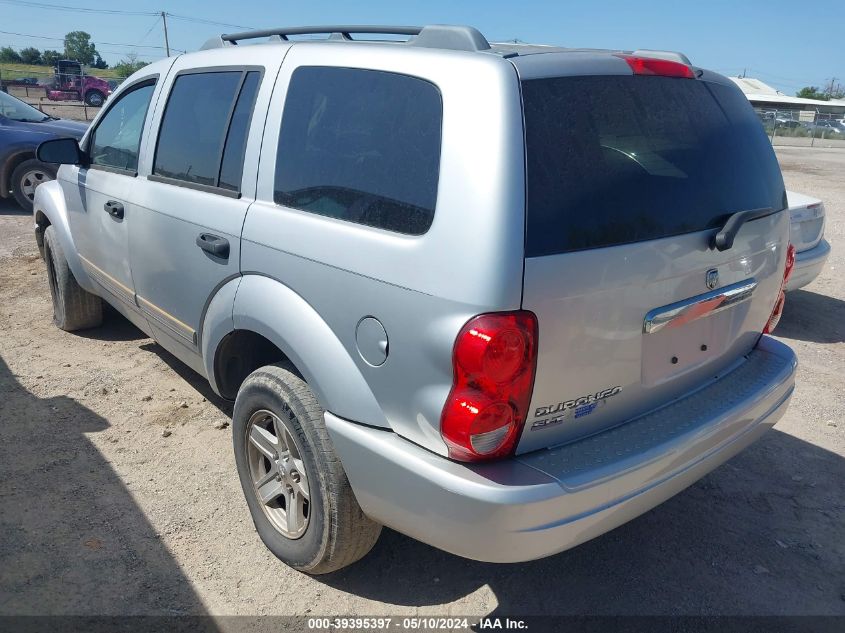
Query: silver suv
[[501, 298]]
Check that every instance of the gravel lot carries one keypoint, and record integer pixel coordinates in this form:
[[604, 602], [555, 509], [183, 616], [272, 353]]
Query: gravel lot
[[102, 514]]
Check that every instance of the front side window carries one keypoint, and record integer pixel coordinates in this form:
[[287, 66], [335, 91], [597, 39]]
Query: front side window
[[203, 130], [116, 141], [361, 146]]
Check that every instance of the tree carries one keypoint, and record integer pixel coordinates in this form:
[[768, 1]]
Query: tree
[[31, 55], [78, 46], [99, 62], [49, 58], [128, 65], [9, 54], [812, 92]]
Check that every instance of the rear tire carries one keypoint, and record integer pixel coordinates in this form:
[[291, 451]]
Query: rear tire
[[336, 532], [73, 307], [26, 177]]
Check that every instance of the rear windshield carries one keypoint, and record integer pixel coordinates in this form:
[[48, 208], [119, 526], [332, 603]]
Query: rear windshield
[[616, 159]]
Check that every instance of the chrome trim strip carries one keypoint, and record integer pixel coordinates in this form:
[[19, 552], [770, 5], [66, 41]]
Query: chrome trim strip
[[681, 312], [109, 283], [149, 309], [167, 320]]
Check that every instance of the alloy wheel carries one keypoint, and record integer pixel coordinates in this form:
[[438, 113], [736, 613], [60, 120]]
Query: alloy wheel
[[278, 475]]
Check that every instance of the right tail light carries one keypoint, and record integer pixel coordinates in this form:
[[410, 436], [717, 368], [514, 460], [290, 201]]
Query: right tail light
[[787, 273]]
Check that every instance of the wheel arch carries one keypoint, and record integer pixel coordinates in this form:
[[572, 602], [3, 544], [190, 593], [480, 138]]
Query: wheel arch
[[49, 209], [9, 165], [249, 313]]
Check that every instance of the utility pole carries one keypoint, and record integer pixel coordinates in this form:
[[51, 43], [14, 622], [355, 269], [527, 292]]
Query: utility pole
[[166, 42], [831, 87]]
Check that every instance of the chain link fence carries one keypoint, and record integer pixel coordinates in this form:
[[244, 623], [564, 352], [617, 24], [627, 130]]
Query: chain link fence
[[67, 95], [803, 128]]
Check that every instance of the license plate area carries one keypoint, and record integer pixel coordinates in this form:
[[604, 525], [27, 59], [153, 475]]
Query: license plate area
[[670, 353], [683, 336]]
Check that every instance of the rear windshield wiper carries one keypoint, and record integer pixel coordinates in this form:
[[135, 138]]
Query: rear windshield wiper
[[724, 239]]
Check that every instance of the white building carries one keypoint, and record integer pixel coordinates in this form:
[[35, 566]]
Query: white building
[[764, 97]]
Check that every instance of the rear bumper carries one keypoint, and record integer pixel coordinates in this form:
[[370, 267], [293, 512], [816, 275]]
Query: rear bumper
[[544, 502], [808, 265]]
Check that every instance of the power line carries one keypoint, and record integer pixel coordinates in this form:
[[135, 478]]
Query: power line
[[60, 7], [146, 35], [202, 21], [20, 47], [162, 14], [61, 39]]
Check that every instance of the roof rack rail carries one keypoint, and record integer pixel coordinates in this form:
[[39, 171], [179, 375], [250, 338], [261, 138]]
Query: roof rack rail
[[462, 38]]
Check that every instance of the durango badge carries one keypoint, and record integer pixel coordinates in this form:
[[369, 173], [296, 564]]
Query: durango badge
[[581, 406]]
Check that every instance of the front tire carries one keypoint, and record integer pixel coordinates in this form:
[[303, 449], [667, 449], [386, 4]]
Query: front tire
[[26, 177], [94, 98], [297, 491], [73, 307]]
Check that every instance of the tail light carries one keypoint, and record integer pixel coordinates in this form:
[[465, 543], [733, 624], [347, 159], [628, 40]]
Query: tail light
[[494, 360], [787, 273], [661, 67]]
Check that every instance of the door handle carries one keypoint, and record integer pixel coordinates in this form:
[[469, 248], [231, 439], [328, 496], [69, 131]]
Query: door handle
[[114, 209], [214, 244]]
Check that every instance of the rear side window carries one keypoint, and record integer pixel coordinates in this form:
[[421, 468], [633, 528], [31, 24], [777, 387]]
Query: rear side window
[[117, 138], [616, 159], [233, 152], [203, 130], [361, 146]]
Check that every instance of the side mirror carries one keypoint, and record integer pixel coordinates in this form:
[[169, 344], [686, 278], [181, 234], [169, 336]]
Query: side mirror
[[64, 151]]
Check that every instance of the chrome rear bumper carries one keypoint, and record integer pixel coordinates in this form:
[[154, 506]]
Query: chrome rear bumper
[[547, 501]]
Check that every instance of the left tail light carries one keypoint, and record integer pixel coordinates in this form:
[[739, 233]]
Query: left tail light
[[778, 310], [494, 361]]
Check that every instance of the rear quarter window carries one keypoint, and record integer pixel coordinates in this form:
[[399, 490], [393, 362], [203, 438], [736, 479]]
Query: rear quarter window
[[618, 159], [361, 146]]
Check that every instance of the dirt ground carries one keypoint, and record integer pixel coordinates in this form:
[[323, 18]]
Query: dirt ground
[[102, 514]]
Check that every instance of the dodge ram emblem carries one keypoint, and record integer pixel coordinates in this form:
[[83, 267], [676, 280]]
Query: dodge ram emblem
[[712, 279]]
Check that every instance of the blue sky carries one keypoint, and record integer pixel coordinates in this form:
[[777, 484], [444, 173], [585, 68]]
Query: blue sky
[[776, 41]]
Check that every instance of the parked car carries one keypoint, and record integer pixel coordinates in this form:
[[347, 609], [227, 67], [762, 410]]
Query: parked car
[[22, 128], [782, 122], [500, 298], [826, 128], [807, 219]]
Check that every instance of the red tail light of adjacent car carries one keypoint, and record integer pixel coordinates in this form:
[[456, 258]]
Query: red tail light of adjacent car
[[778, 309]]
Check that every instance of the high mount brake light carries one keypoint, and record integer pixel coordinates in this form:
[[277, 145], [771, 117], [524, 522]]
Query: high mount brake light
[[493, 361], [659, 67], [774, 319]]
